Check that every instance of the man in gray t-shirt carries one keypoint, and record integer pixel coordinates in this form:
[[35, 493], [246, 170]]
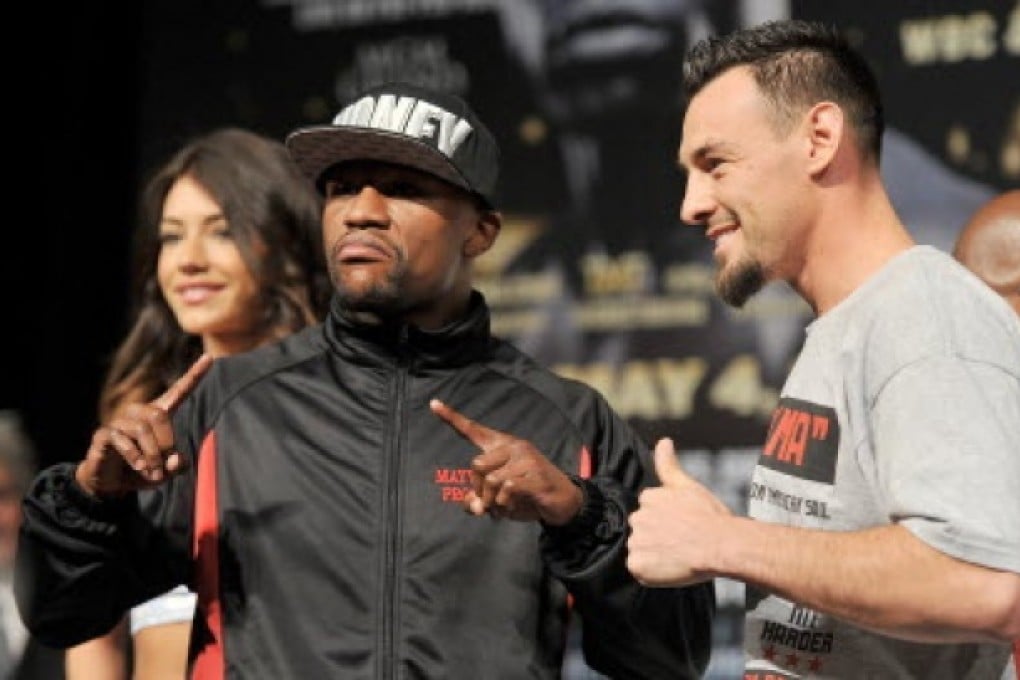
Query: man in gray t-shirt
[[884, 531]]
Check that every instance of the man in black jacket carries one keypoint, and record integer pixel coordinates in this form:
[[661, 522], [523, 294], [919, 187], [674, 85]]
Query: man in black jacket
[[313, 493]]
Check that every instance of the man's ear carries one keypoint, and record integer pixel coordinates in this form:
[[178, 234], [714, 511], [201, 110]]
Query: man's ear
[[484, 234], [825, 130]]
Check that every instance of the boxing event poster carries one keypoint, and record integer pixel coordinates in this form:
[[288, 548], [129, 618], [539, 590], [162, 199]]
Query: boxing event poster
[[594, 274]]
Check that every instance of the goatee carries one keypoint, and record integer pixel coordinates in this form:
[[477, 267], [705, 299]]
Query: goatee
[[737, 285]]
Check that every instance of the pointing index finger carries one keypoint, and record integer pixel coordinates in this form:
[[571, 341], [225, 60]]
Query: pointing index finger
[[479, 435], [183, 386]]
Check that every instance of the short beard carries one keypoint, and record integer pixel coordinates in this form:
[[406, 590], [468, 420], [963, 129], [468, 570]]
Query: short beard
[[745, 279], [383, 300]]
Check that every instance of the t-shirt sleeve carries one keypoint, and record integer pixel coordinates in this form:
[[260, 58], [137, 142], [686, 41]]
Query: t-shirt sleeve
[[947, 440]]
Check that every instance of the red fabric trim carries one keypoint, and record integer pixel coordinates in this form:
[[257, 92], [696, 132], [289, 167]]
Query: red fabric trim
[[205, 549], [584, 465], [1016, 658], [584, 472]]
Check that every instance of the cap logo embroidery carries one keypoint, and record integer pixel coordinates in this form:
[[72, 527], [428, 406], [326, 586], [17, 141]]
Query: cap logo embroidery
[[410, 116]]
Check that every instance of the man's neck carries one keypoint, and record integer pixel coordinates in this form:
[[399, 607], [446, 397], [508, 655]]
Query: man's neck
[[857, 234]]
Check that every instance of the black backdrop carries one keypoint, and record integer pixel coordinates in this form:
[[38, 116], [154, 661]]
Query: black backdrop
[[73, 107]]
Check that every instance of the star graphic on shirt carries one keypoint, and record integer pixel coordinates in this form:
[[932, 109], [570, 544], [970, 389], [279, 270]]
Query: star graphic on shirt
[[792, 660], [815, 664], [769, 652]]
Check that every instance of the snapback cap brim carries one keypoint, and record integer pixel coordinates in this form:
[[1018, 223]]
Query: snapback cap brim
[[315, 149]]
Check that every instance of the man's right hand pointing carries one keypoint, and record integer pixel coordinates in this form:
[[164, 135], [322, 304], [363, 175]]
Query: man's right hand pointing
[[510, 478], [135, 450]]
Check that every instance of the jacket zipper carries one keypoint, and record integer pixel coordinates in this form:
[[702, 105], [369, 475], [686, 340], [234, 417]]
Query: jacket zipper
[[391, 521]]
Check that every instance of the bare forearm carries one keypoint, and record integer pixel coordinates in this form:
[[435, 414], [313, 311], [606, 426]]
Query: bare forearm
[[883, 579], [102, 658]]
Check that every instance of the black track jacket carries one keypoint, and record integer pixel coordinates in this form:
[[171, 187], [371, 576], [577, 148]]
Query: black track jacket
[[319, 520]]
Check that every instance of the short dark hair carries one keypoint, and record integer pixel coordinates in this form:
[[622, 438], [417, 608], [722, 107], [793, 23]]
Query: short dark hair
[[795, 65]]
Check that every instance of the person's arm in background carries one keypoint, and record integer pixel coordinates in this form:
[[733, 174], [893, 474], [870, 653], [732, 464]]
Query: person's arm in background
[[101, 658], [628, 630], [160, 635], [157, 651]]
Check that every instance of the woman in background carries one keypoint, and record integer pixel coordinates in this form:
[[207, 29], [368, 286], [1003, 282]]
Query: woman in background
[[227, 257]]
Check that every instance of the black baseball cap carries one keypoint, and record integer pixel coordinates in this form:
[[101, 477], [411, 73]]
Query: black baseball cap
[[405, 124]]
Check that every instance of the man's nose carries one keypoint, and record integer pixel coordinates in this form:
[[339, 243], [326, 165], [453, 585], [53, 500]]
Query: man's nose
[[367, 208], [698, 203]]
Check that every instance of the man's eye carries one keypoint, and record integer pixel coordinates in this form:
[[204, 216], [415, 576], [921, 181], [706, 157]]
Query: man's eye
[[167, 237], [335, 187], [401, 190], [393, 188]]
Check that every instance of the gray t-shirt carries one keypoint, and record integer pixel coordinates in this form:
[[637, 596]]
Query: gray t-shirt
[[903, 406]]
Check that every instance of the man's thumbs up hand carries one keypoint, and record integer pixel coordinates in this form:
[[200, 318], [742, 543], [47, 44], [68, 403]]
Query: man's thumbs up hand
[[667, 467], [676, 530]]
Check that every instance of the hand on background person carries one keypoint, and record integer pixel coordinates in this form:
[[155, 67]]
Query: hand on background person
[[135, 450], [676, 531], [510, 477]]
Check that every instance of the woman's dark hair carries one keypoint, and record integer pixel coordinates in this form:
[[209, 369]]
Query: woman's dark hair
[[274, 214], [796, 64]]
